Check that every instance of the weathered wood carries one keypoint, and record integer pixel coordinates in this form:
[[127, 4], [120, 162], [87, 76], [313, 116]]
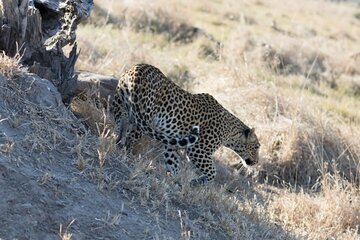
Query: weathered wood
[[38, 30]]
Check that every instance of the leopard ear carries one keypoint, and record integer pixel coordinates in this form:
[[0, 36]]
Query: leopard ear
[[247, 132]]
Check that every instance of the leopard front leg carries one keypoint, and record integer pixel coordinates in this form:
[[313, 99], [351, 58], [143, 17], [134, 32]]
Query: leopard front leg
[[126, 128], [122, 129], [172, 160], [134, 134], [204, 164], [121, 118]]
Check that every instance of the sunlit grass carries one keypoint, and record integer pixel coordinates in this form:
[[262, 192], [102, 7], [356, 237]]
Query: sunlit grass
[[288, 73]]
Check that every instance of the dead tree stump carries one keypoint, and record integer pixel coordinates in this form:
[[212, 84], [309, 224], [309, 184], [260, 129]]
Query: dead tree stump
[[38, 30]]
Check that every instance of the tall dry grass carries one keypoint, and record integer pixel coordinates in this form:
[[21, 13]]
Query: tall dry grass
[[332, 213], [10, 67], [291, 74]]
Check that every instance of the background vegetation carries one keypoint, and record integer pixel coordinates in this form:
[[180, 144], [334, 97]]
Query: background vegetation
[[291, 69]]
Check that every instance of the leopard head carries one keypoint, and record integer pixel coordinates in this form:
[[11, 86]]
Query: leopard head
[[246, 144]]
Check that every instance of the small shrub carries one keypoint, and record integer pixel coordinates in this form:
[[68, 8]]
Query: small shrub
[[10, 66], [181, 75], [357, 15], [209, 51], [161, 22]]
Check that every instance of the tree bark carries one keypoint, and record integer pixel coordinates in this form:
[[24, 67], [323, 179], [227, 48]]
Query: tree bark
[[37, 30]]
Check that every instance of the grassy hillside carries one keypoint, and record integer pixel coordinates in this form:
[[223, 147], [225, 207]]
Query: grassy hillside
[[291, 69]]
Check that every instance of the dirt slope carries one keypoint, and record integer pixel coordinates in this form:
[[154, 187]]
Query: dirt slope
[[51, 183], [41, 187]]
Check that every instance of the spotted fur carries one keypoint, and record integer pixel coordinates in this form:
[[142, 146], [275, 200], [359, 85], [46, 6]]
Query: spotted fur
[[156, 106]]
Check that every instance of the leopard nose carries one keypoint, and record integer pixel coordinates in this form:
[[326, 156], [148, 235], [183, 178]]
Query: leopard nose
[[249, 162]]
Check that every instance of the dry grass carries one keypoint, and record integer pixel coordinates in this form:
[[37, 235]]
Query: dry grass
[[333, 213], [154, 20], [28, 103], [95, 114], [290, 74], [64, 233], [304, 145], [11, 67]]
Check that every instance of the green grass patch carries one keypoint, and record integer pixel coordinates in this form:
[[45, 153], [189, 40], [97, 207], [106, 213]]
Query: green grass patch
[[357, 15], [348, 113]]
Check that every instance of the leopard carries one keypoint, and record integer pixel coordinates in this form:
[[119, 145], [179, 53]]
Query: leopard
[[149, 103]]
